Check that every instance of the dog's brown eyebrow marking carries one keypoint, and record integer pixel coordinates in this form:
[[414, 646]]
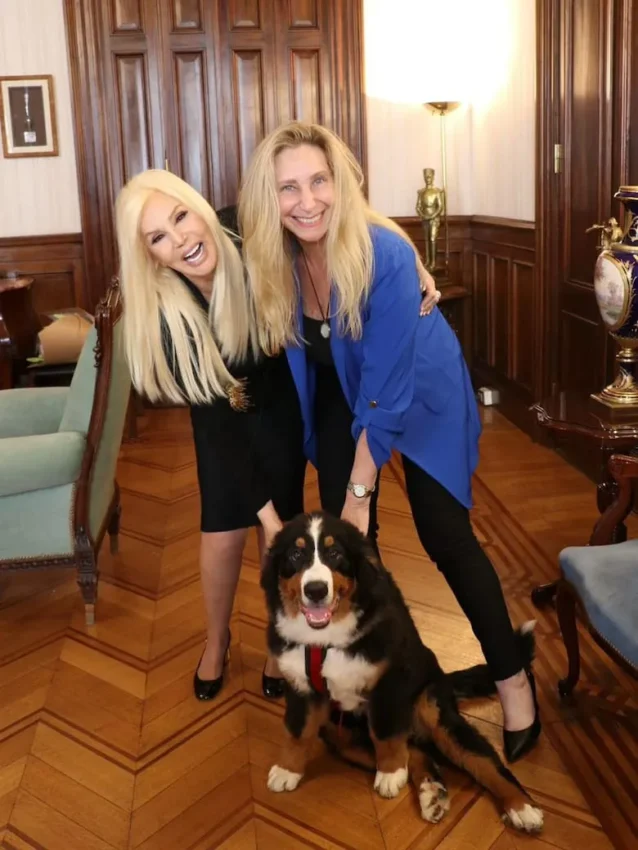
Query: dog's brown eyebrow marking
[[328, 541], [300, 542]]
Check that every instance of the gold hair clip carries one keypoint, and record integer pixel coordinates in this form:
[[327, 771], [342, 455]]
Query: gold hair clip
[[238, 397]]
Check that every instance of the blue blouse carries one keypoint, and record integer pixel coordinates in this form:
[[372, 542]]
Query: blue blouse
[[405, 379]]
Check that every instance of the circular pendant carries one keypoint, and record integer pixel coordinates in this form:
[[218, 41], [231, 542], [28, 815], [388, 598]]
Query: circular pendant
[[325, 330]]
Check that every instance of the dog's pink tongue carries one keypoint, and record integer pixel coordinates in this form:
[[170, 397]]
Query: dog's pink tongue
[[317, 616]]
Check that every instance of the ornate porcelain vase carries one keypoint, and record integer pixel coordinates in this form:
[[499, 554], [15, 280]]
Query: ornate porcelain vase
[[616, 288]]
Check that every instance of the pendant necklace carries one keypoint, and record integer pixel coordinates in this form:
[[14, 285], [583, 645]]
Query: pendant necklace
[[324, 330]]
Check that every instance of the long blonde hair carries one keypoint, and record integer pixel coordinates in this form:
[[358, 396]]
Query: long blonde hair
[[151, 293], [267, 250]]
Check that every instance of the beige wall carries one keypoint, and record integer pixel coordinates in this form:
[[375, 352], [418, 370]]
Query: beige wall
[[504, 123], [39, 195], [481, 53]]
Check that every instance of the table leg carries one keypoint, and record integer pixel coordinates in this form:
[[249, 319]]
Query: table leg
[[606, 492]]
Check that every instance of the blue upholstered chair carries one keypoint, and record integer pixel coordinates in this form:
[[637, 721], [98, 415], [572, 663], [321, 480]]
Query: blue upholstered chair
[[58, 454], [601, 579]]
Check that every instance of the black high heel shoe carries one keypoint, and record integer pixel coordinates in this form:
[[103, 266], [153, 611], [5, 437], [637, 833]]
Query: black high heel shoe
[[271, 686], [516, 744], [206, 689]]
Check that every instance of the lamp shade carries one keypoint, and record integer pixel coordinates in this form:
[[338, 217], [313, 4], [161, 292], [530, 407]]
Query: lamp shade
[[448, 52]]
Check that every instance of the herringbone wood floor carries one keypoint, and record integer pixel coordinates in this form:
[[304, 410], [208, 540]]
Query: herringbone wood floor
[[102, 744]]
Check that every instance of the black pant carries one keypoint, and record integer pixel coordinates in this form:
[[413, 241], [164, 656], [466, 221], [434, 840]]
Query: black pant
[[442, 523]]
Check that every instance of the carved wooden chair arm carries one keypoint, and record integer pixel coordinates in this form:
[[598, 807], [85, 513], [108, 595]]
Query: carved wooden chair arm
[[624, 470]]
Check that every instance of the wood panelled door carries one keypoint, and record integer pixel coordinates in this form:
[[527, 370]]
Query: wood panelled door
[[584, 56], [194, 85]]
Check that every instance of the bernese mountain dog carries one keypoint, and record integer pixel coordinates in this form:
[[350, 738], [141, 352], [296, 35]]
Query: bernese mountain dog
[[346, 643]]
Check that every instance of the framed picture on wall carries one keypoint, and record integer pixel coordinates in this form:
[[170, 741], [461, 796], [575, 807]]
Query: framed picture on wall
[[27, 115]]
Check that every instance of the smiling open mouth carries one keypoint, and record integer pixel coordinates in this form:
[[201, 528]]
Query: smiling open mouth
[[308, 221], [318, 616], [196, 254]]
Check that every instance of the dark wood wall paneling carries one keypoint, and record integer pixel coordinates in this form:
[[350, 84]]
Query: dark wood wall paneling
[[56, 263], [491, 299], [194, 86], [581, 361], [504, 290], [587, 73]]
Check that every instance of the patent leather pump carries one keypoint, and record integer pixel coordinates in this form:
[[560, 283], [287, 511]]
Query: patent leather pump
[[518, 743], [206, 689], [272, 686]]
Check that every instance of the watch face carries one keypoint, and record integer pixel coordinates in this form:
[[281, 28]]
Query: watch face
[[359, 490]]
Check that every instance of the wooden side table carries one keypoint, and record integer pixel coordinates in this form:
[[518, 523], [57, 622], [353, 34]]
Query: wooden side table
[[567, 414], [19, 317], [19, 325], [5, 368]]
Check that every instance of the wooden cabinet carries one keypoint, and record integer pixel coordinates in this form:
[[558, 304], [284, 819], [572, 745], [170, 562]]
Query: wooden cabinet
[[194, 85]]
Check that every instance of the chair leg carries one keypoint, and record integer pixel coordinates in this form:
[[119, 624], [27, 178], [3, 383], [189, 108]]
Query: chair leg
[[88, 575], [544, 594], [113, 527], [566, 610]]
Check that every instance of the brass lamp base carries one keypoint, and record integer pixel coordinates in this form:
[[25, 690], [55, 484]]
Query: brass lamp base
[[621, 396]]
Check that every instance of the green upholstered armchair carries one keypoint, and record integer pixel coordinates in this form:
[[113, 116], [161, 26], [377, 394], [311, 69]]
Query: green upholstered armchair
[[58, 454]]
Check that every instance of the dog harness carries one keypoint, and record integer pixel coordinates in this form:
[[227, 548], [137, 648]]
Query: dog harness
[[315, 656]]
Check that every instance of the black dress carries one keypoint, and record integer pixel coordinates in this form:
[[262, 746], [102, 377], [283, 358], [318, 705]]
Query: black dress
[[245, 458]]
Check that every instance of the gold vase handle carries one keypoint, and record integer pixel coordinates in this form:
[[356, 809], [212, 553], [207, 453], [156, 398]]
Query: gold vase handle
[[610, 233]]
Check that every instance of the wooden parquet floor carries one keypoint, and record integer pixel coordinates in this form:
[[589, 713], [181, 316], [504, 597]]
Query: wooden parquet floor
[[102, 744]]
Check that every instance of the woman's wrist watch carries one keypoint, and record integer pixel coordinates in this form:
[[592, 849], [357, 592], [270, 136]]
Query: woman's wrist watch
[[360, 490]]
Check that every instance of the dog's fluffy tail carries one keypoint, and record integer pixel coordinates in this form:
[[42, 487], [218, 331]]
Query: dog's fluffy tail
[[477, 681]]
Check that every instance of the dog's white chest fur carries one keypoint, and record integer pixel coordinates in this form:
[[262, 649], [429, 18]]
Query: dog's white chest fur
[[348, 678]]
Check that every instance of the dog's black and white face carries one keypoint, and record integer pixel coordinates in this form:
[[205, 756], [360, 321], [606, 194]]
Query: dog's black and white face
[[318, 571]]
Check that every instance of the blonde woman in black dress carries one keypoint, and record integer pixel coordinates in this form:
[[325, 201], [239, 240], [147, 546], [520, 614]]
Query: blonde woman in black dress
[[191, 339]]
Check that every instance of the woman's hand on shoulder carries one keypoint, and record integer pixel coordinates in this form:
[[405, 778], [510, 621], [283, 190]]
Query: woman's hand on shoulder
[[431, 295]]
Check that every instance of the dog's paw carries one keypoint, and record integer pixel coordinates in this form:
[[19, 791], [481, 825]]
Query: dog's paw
[[389, 784], [280, 779], [527, 819], [434, 800]]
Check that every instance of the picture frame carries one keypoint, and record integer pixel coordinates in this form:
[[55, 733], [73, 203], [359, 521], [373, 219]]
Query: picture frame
[[27, 116]]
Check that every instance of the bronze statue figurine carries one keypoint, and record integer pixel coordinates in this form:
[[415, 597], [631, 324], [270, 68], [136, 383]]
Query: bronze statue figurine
[[430, 207]]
